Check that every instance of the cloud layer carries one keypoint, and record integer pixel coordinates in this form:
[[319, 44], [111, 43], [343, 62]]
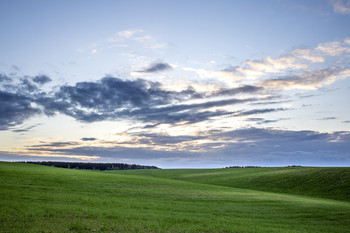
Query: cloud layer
[[156, 67], [111, 98], [251, 146]]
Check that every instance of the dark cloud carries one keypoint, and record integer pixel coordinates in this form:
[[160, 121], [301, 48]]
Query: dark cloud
[[238, 90], [306, 105], [45, 146], [271, 102], [41, 79], [328, 118], [156, 67], [111, 98], [24, 128], [192, 113], [88, 139], [306, 96], [150, 126], [17, 101], [259, 111], [15, 109], [260, 120], [27, 85], [346, 121], [4, 78]]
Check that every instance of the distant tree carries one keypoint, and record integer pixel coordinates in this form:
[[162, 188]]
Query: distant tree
[[92, 166]]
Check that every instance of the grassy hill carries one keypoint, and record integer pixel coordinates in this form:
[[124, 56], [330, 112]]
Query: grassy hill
[[37, 198], [331, 182]]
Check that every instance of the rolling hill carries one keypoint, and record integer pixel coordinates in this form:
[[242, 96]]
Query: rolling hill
[[329, 182], [36, 198]]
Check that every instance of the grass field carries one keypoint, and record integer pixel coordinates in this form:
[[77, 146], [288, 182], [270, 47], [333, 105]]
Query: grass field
[[331, 182], [36, 198]]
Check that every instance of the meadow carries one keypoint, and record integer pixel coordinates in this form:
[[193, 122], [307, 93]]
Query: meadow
[[36, 198]]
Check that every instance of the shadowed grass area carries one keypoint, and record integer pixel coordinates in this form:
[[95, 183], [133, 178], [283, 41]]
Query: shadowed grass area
[[36, 198], [331, 182]]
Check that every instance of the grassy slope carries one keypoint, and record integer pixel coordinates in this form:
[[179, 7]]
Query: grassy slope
[[332, 183], [44, 199]]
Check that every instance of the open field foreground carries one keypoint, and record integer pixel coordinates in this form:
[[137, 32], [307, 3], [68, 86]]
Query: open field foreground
[[37, 198]]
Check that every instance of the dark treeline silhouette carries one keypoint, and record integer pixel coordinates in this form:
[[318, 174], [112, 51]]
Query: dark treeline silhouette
[[258, 166], [92, 166]]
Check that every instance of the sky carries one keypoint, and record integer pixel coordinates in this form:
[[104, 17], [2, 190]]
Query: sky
[[176, 84]]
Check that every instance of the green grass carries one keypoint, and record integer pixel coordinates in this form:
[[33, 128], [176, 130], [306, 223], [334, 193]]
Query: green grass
[[36, 198], [331, 182]]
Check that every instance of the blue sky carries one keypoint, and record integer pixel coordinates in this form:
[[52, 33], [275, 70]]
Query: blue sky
[[176, 83]]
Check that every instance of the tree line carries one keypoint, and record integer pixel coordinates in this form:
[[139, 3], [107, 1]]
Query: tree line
[[92, 166], [243, 167]]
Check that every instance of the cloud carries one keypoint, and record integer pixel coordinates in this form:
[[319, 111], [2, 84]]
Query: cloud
[[156, 67], [15, 109], [15, 68], [129, 33], [328, 118], [234, 91], [18, 101], [298, 69], [88, 139], [41, 79], [111, 98], [4, 78], [261, 121], [270, 65], [334, 48], [24, 128], [190, 113], [271, 102], [341, 6], [309, 80], [307, 55], [53, 145]]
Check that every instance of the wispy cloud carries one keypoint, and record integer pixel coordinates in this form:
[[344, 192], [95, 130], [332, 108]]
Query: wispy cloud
[[334, 48], [341, 6], [298, 69], [129, 33], [23, 129], [308, 80], [328, 118], [156, 67]]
